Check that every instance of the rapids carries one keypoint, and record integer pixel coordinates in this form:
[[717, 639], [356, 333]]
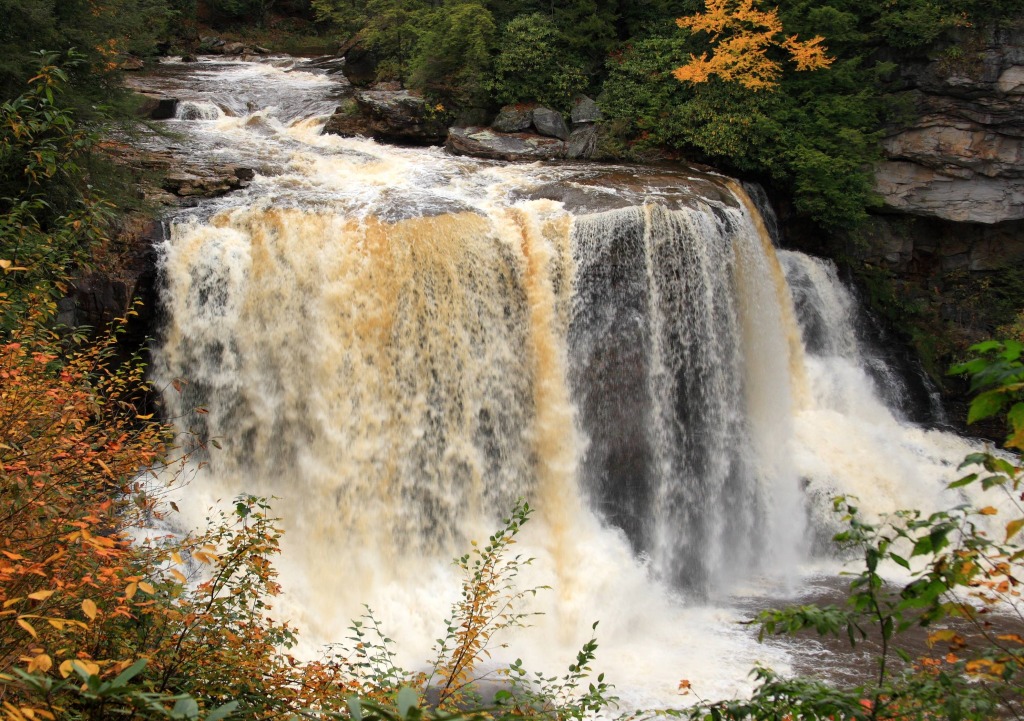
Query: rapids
[[396, 344]]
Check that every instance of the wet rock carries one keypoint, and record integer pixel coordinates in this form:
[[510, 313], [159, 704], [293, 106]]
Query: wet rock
[[360, 66], [585, 110], [583, 142], [391, 116], [235, 49], [513, 119], [156, 107], [330, 64], [551, 123], [206, 182], [188, 58], [485, 143], [131, 63]]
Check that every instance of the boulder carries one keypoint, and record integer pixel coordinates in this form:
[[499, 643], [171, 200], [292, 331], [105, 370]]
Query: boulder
[[513, 119], [156, 107], [485, 143], [584, 110], [551, 123], [392, 116], [330, 64], [583, 142], [206, 182], [235, 49], [360, 66], [131, 63]]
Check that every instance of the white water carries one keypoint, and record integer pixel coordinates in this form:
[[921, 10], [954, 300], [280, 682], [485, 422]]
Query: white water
[[397, 344]]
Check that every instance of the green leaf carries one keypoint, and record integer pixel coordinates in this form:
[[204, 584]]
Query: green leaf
[[222, 712], [900, 560], [965, 481], [406, 700], [186, 707], [129, 673], [986, 405], [355, 708]]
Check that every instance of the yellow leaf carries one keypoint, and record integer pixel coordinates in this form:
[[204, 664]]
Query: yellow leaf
[[66, 668], [41, 595], [42, 662], [87, 666], [941, 636], [129, 592], [1013, 527], [89, 608], [28, 627], [179, 575], [5, 264], [176, 557], [146, 587], [988, 511]]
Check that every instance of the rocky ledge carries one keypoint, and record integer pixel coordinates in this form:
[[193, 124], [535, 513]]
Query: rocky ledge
[[961, 157]]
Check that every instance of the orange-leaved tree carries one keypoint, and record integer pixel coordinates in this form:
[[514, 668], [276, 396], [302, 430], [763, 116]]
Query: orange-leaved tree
[[747, 43]]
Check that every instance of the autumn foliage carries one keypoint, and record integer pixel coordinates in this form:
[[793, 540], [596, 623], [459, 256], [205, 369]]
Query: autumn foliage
[[744, 39]]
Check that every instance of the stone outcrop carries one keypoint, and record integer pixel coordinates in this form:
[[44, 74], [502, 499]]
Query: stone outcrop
[[961, 157], [391, 116], [514, 119], [156, 107], [510, 136], [551, 123], [486, 143]]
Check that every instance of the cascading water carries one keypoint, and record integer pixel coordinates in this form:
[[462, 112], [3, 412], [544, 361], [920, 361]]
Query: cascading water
[[397, 344]]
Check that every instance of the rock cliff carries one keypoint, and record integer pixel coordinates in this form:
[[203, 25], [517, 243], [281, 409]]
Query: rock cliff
[[959, 155]]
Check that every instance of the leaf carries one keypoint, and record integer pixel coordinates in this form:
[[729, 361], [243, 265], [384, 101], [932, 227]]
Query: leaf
[[988, 511], [178, 575], [986, 405], [406, 700], [186, 707], [222, 712], [28, 627], [944, 636], [355, 708], [1013, 527], [900, 560], [129, 591], [41, 595], [129, 673], [89, 609], [66, 668], [42, 662], [146, 587], [84, 668]]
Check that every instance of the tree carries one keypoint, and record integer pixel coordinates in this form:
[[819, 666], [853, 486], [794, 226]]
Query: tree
[[453, 57], [531, 65], [742, 37]]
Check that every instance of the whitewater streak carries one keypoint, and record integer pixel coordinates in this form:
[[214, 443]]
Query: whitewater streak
[[397, 344]]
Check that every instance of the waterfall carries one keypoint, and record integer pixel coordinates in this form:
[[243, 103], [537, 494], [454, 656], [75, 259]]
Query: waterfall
[[397, 344]]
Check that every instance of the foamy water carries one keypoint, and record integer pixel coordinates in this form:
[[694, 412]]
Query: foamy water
[[397, 344]]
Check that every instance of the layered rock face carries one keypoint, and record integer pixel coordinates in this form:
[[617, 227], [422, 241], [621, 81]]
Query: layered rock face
[[961, 156]]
